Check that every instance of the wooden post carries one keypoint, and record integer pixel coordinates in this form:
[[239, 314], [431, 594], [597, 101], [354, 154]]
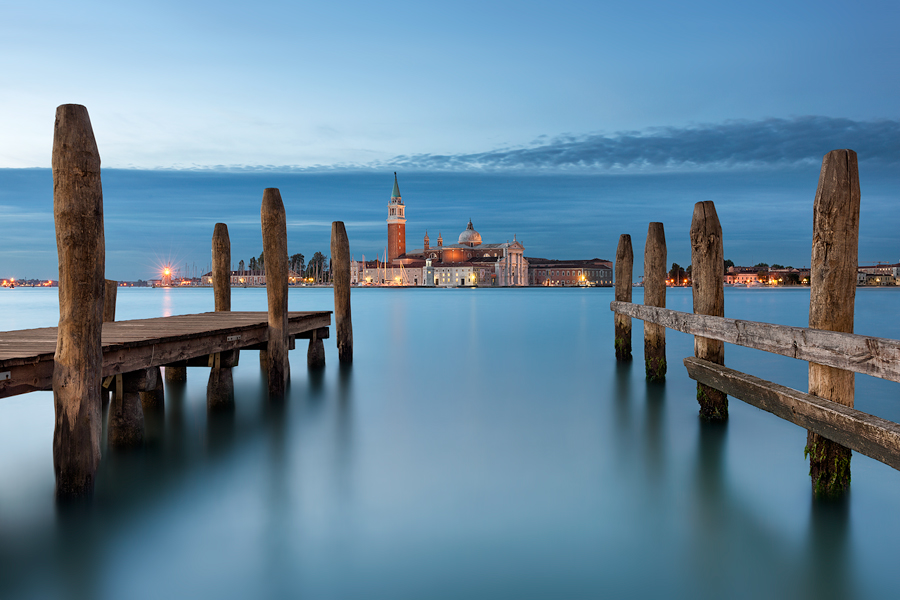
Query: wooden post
[[109, 315], [708, 283], [220, 388], [176, 374], [78, 362], [340, 262], [624, 267], [831, 301], [655, 295], [126, 416], [274, 234], [221, 267], [315, 354]]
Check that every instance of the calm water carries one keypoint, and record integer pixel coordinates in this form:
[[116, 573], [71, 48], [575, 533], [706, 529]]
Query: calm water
[[485, 444]]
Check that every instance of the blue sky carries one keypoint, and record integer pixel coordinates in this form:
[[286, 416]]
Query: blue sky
[[509, 87]]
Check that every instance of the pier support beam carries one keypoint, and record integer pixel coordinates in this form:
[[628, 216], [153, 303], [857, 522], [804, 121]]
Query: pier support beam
[[126, 415], [624, 269], [274, 234], [315, 355], [708, 283], [78, 361], [176, 374], [220, 388], [831, 302], [655, 295], [340, 267]]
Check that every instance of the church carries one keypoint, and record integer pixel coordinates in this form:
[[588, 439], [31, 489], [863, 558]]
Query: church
[[467, 263]]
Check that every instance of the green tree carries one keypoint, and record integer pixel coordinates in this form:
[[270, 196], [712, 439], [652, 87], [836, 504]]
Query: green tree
[[761, 265], [253, 265], [296, 263], [261, 261], [728, 263], [777, 266]]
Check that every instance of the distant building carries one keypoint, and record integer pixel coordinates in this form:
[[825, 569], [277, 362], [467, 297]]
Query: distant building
[[247, 278], [548, 272]]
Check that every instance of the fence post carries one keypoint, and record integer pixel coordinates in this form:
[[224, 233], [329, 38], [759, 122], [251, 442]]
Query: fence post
[[831, 302], [340, 260], [220, 388], [655, 295], [274, 233], [708, 284], [78, 362], [624, 267]]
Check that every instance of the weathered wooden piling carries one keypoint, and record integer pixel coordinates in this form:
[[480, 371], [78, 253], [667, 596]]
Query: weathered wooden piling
[[831, 302], [78, 213], [655, 295], [220, 388], [340, 265], [126, 414], [315, 354], [624, 268], [274, 234], [708, 283]]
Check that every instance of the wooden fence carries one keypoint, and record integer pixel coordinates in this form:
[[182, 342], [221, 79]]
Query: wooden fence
[[834, 353]]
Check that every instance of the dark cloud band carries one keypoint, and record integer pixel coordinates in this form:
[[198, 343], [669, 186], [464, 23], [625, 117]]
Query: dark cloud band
[[765, 143]]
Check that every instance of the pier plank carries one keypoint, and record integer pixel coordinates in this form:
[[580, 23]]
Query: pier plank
[[27, 355]]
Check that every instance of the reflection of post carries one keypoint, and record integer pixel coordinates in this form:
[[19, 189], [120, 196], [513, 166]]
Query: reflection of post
[[655, 295], [708, 282], [624, 266], [340, 262], [831, 302], [220, 388], [274, 233], [78, 362]]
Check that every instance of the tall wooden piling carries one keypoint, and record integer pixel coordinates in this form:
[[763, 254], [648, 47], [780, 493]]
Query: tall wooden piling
[[78, 213], [655, 295], [274, 234], [624, 269], [708, 283], [340, 265], [831, 303], [220, 388]]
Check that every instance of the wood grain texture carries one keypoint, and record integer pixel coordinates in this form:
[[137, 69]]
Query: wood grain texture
[[624, 275], [655, 257], [80, 242], [274, 234], [879, 357], [221, 267], [340, 264], [708, 287], [831, 302]]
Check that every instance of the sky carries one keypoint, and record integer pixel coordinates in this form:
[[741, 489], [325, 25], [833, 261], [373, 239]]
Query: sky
[[571, 90]]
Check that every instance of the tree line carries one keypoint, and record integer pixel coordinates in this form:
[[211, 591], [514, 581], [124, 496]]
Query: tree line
[[317, 268]]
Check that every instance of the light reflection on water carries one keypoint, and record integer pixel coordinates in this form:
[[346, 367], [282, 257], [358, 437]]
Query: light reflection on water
[[484, 443]]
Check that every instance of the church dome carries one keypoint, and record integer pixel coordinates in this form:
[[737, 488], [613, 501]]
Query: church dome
[[470, 237]]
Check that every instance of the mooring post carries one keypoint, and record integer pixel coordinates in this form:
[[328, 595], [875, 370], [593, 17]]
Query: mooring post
[[624, 268], [655, 295], [109, 315], [220, 388], [274, 233], [708, 286], [78, 362], [832, 296], [315, 354], [340, 265]]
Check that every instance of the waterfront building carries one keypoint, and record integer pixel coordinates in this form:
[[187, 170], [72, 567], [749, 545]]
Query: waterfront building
[[469, 262], [248, 278], [549, 272]]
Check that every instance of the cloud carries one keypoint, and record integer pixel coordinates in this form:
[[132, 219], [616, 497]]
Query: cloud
[[742, 143]]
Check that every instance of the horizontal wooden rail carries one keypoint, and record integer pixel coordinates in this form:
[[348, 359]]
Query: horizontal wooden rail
[[867, 434], [879, 357]]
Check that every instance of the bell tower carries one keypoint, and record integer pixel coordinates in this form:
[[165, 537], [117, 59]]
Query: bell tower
[[396, 224]]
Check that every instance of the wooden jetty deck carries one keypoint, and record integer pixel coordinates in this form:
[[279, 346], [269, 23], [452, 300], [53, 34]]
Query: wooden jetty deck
[[26, 356]]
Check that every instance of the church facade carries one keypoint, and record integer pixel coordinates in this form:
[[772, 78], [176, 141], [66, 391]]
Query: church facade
[[467, 263]]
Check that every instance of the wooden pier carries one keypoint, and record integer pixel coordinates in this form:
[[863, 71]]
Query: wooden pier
[[26, 356]]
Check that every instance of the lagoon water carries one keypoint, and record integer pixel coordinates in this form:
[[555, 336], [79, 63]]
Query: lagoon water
[[484, 444]]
